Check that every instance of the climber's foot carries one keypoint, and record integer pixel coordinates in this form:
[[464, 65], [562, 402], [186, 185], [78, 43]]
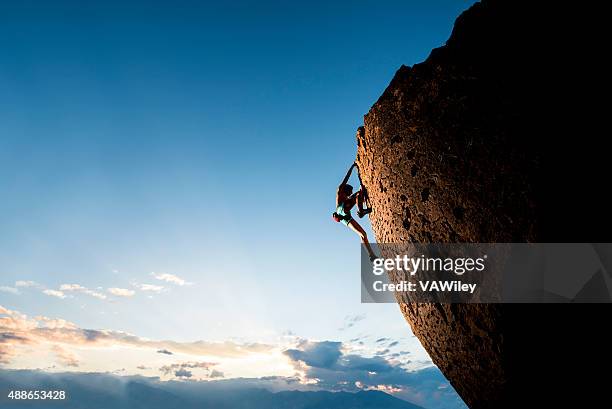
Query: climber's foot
[[363, 212]]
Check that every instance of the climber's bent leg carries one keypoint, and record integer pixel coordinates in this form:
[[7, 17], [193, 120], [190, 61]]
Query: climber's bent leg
[[356, 227], [361, 211], [360, 200]]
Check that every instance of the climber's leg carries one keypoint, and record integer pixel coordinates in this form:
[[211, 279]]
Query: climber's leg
[[356, 227], [360, 200], [361, 211]]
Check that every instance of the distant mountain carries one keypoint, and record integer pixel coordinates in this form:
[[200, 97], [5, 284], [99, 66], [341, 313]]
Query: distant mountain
[[105, 391]]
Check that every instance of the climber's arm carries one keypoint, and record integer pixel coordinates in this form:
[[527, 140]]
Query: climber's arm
[[348, 174]]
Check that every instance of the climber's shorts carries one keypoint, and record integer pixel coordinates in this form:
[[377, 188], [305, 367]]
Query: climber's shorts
[[346, 216]]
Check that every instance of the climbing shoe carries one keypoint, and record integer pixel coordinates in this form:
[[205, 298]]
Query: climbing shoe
[[363, 212]]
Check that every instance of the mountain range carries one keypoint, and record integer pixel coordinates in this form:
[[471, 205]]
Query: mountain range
[[107, 391]]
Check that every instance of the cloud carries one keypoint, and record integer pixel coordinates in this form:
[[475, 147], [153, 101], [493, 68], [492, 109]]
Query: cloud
[[328, 366], [216, 374], [7, 342], [80, 289], [351, 320], [382, 388], [149, 287], [392, 344], [72, 287], [64, 357], [18, 329], [120, 292], [183, 373], [61, 292], [95, 294], [379, 340], [171, 278], [318, 354], [55, 323], [11, 290], [54, 293], [181, 370], [164, 351]]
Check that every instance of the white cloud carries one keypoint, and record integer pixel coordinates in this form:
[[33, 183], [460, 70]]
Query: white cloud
[[71, 287], [120, 292], [84, 290], [54, 293], [11, 290], [95, 294], [149, 287], [171, 278]]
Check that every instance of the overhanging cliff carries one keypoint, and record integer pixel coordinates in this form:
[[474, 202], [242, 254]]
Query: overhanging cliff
[[466, 147]]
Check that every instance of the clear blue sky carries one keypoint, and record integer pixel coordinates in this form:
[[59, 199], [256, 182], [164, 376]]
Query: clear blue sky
[[202, 140]]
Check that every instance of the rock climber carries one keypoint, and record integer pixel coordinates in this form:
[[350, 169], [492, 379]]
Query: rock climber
[[345, 201]]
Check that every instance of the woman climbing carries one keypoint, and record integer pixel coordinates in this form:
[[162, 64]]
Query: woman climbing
[[345, 201]]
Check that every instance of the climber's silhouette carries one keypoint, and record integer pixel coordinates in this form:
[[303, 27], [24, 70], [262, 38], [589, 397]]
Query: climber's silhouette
[[345, 201]]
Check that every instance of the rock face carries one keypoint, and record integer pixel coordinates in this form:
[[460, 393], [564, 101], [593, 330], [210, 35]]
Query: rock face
[[455, 150]]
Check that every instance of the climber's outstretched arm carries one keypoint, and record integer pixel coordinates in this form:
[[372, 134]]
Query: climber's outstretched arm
[[348, 174]]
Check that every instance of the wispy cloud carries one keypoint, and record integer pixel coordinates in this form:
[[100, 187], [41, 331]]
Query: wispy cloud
[[54, 293], [33, 284], [61, 292], [65, 357], [121, 292], [170, 278], [351, 320], [164, 351], [11, 290], [149, 287], [73, 288], [21, 283], [80, 289]]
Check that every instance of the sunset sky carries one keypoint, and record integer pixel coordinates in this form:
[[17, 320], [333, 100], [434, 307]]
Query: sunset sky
[[168, 175]]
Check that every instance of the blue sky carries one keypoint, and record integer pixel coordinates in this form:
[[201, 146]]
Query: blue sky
[[200, 140]]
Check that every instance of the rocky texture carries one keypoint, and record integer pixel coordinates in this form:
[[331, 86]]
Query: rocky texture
[[466, 147]]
